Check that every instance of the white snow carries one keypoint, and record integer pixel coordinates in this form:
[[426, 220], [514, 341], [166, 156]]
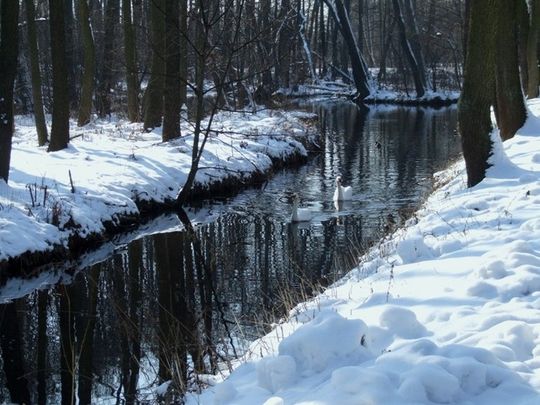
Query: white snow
[[445, 310], [113, 164]]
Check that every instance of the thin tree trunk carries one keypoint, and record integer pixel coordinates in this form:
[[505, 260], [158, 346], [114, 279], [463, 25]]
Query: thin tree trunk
[[474, 118], [9, 45], [510, 105], [37, 97], [87, 87], [130, 55], [60, 115], [172, 97]]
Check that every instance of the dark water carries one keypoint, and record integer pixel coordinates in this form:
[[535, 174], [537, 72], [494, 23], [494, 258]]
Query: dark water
[[165, 305]]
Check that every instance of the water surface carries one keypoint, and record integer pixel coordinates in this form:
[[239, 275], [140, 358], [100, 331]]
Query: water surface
[[169, 304]]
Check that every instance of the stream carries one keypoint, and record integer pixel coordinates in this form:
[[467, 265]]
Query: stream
[[171, 302]]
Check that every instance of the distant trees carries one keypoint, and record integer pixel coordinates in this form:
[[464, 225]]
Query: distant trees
[[251, 48]]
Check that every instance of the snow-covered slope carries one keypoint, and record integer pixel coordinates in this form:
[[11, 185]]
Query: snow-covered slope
[[446, 310]]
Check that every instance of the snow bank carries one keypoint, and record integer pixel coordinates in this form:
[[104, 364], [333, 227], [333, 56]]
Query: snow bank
[[446, 310], [110, 167]]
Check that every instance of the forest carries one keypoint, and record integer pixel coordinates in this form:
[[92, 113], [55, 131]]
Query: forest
[[188, 187]]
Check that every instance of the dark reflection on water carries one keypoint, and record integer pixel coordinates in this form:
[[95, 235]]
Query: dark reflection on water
[[173, 303]]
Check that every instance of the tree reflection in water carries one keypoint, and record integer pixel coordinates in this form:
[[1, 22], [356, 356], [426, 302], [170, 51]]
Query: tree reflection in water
[[172, 305]]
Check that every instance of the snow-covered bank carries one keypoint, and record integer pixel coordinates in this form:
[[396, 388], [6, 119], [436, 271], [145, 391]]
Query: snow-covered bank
[[446, 310], [338, 89], [112, 169]]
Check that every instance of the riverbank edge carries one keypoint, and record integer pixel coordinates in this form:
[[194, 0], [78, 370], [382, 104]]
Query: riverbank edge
[[25, 265]]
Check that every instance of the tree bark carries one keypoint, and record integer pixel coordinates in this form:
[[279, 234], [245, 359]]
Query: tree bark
[[130, 55], [37, 97], [510, 105], [532, 49], [153, 98], [9, 16], [172, 93], [474, 118], [87, 87], [60, 106], [523, 35]]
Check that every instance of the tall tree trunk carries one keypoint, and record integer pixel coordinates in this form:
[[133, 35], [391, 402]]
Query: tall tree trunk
[[419, 83], [104, 102], [153, 98], [172, 93], [130, 54], [532, 49], [87, 87], [9, 45], [37, 97], [474, 118], [60, 106], [510, 105]]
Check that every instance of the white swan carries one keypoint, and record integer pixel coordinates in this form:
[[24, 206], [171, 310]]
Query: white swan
[[300, 214], [342, 193]]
